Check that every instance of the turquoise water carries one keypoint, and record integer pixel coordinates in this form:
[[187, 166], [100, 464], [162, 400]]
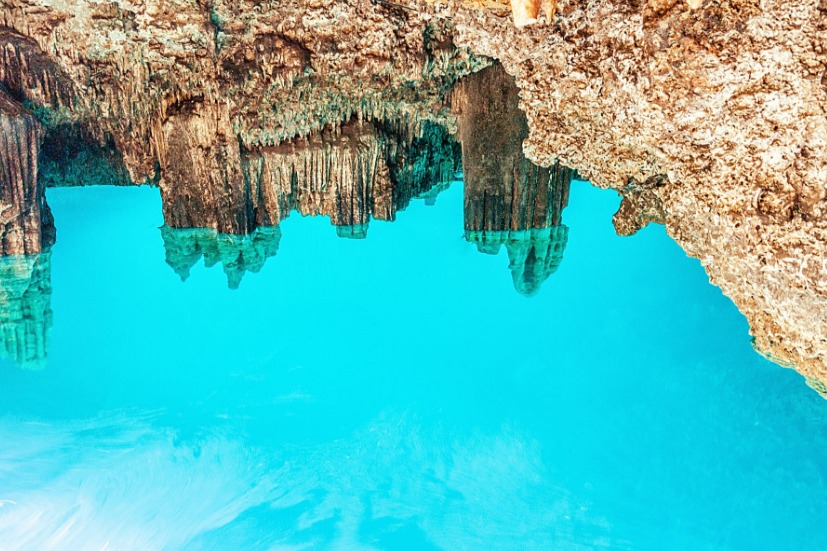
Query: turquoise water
[[396, 392]]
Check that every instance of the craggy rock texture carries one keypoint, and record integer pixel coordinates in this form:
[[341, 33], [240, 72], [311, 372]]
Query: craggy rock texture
[[711, 120], [350, 174], [706, 116], [25, 308], [508, 199], [355, 173], [181, 88], [25, 220]]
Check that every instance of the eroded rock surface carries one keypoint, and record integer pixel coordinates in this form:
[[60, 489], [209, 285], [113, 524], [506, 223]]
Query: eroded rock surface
[[25, 220], [226, 76], [352, 173], [706, 116], [508, 199], [711, 120], [355, 173]]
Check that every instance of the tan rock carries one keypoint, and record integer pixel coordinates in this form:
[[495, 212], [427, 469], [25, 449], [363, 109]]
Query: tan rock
[[724, 108], [712, 120]]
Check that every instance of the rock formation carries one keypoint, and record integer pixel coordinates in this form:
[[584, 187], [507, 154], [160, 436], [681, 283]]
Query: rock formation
[[706, 116], [178, 93], [356, 172], [351, 174], [25, 308], [508, 199], [533, 254], [25, 220], [711, 120]]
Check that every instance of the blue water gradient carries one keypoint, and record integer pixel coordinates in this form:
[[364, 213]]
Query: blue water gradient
[[396, 392]]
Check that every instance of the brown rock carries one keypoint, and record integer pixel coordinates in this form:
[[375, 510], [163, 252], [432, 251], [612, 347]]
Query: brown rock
[[508, 199], [724, 106], [26, 225]]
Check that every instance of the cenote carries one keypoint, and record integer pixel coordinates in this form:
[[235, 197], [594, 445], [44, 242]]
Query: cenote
[[396, 392], [448, 365]]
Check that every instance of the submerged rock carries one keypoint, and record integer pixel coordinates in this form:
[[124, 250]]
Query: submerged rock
[[508, 199], [533, 255], [25, 308], [238, 254], [351, 174]]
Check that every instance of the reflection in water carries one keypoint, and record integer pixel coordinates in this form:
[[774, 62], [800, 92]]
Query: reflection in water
[[238, 254], [372, 169], [313, 417], [25, 308], [360, 171], [351, 174], [533, 255], [508, 200]]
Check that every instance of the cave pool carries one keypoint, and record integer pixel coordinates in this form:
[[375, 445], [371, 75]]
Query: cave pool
[[395, 392]]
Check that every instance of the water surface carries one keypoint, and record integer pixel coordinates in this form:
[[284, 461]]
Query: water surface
[[396, 392]]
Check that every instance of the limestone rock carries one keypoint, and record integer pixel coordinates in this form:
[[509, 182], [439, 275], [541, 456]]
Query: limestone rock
[[266, 72], [26, 225], [707, 116], [712, 120], [508, 199], [351, 173]]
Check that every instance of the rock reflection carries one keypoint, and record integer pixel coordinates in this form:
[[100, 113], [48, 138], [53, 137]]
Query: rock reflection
[[26, 225], [238, 254], [508, 200], [354, 173], [25, 308]]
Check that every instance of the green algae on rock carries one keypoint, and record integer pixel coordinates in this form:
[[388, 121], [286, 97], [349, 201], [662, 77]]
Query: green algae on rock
[[508, 199], [25, 308], [237, 254], [533, 255]]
